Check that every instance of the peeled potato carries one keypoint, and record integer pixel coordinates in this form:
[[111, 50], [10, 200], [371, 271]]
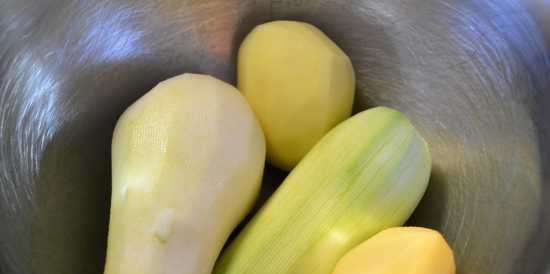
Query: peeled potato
[[187, 162], [299, 83], [401, 250]]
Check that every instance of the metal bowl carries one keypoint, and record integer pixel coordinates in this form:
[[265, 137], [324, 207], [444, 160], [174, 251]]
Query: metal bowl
[[472, 75]]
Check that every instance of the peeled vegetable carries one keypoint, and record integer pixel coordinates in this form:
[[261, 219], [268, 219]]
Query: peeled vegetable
[[367, 174], [187, 160], [401, 250], [299, 83]]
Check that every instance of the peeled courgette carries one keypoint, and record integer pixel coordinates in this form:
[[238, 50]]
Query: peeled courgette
[[367, 174], [187, 161]]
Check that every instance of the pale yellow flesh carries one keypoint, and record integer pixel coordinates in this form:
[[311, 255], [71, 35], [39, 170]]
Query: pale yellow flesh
[[402, 250], [187, 161], [299, 83], [367, 174]]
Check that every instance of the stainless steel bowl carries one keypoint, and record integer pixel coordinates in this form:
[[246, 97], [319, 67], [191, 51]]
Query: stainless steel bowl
[[472, 75]]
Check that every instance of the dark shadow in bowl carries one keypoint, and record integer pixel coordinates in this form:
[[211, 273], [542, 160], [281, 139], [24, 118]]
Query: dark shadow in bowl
[[431, 209], [273, 177], [538, 246]]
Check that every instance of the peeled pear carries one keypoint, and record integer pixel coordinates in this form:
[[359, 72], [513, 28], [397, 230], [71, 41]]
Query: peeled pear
[[400, 250], [187, 162], [299, 83]]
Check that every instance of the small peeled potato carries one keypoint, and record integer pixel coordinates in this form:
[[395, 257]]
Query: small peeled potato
[[299, 83], [401, 250]]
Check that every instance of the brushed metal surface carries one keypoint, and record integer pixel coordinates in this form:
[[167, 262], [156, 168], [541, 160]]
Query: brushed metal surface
[[472, 75]]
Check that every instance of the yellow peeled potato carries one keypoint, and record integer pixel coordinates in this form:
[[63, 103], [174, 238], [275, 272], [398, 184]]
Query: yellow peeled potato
[[401, 250], [299, 83]]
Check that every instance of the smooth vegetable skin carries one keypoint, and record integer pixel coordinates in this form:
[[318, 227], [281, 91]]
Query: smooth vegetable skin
[[299, 83], [187, 161], [367, 174], [400, 250]]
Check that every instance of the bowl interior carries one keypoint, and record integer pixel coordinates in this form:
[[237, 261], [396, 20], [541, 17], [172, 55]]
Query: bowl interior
[[471, 75]]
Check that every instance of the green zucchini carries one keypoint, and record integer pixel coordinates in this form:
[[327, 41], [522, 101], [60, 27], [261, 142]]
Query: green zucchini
[[367, 174]]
